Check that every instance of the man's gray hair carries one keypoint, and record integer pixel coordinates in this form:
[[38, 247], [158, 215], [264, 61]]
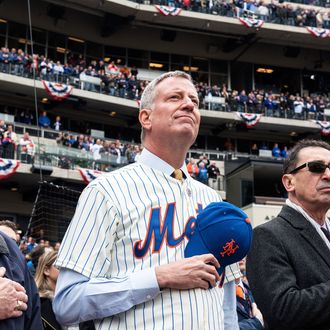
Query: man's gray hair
[[148, 95]]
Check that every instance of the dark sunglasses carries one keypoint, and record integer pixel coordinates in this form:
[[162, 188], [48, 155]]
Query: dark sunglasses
[[314, 167]]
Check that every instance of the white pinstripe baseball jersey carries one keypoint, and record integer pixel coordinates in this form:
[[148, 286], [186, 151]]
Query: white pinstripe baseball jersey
[[135, 218]]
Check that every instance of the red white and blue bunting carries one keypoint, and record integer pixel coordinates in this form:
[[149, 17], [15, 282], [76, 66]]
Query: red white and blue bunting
[[57, 91], [167, 10], [250, 119], [325, 126], [89, 175], [251, 22], [318, 32], [8, 167]]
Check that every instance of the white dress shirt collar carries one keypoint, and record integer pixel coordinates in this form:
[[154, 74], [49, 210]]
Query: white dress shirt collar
[[315, 224], [150, 159]]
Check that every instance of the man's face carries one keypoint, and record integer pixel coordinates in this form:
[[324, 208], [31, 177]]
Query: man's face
[[175, 111], [311, 190]]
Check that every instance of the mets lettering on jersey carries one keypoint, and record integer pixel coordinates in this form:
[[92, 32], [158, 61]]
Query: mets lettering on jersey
[[162, 229]]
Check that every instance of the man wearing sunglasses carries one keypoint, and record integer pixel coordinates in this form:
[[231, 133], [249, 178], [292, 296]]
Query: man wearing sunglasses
[[288, 267]]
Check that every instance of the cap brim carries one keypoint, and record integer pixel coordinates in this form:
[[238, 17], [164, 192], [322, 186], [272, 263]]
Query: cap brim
[[195, 246]]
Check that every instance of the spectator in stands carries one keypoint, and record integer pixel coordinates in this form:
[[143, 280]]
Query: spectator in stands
[[134, 71], [121, 85], [9, 142], [27, 148], [269, 105], [63, 139], [242, 101], [284, 152], [202, 173], [137, 152], [57, 246], [298, 108], [203, 159], [125, 71], [276, 151], [86, 144], [213, 174], [3, 129], [78, 143], [310, 108], [46, 278], [132, 85], [95, 149], [31, 243], [26, 117], [33, 258], [44, 120], [113, 68], [57, 124], [192, 168], [254, 149]]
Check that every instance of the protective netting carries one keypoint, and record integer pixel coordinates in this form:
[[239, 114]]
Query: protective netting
[[53, 210]]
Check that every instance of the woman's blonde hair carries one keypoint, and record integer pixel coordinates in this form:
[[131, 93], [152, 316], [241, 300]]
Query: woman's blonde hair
[[45, 261]]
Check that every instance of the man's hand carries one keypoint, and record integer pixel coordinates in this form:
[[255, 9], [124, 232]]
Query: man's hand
[[256, 313], [189, 273], [13, 300]]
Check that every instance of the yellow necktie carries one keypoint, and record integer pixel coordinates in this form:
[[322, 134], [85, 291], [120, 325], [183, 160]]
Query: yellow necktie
[[177, 174]]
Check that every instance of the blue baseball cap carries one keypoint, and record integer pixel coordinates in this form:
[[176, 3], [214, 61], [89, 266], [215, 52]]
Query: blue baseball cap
[[223, 230]]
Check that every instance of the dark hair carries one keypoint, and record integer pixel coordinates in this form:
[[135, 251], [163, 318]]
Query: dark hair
[[9, 224], [35, 254], [291, 161]]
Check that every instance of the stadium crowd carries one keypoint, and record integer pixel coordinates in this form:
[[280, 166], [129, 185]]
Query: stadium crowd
[[122, 82], [272, 11]]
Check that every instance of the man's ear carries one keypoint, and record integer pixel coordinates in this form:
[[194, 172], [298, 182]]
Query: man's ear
[[288, 181], [145, 118]]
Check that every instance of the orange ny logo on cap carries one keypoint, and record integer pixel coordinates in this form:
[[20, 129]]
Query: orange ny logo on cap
[[229, 248]]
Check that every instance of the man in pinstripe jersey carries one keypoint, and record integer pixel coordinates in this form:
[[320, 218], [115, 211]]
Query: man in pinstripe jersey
[[122, 258]]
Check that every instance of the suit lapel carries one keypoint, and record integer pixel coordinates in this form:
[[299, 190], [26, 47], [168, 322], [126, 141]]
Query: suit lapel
[[307, 231]]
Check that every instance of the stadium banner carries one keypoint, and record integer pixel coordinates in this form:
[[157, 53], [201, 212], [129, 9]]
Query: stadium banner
[[250, 119], [57, 91], [89, 175], [318, 32], [8, 167], [324, 125], [251, 22], [168, 10]]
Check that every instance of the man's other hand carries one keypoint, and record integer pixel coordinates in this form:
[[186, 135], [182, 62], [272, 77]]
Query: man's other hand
[[189, 273]]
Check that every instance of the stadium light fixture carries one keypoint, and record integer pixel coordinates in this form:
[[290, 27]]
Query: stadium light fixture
[[60, 50], [156, 65], [24, 41], [265, 70], [76, 40], [191, 68]]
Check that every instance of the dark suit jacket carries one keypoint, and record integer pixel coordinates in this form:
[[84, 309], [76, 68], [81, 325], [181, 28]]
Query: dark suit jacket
[[288, 269], [16, 270]]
